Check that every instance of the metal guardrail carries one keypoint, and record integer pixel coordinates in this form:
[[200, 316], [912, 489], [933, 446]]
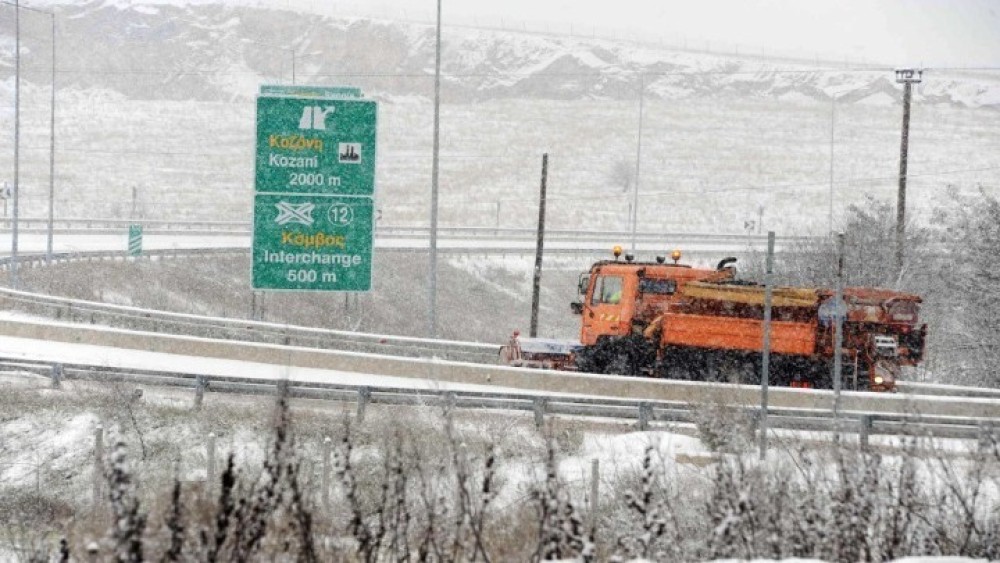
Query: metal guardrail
[[864, 424], [39, 260], [240, 329], [152, 320], [941, 390], [36, 224], [154, 226]]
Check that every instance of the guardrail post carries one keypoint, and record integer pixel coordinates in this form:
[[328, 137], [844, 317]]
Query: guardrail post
[[98, 463], [282, 388], [645, 415], [200, 385], [864, 430], [753, 425], [450, 400], [57, 375], [986, 437], [93, 550], [210, 463], [539, 404], [364, 395], [594, 504], [325, 479]]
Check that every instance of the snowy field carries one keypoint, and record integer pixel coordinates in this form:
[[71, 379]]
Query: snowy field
[[48, 447], [707, 166], [155, 120]]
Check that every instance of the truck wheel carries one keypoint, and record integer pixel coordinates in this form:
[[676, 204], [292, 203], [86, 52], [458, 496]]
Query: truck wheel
[[677, 364], [620, 364], [585, 361], [748, 372], [630, 355], [676, 372]]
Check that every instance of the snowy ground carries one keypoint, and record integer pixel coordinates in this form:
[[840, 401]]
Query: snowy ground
[[707, 165], [62, 445]]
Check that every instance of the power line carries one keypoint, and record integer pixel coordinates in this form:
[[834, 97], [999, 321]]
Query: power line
[[494, 74], [964, 68], [389, 153], [781, 187], [823, 184]]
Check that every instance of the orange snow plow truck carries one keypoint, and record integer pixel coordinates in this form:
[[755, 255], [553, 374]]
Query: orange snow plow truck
[[674, 321]]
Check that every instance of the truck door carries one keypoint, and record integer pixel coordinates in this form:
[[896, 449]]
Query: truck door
[[603, 311]]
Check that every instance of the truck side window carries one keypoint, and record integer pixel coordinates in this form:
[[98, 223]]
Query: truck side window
[[657, 286], [607, 289]]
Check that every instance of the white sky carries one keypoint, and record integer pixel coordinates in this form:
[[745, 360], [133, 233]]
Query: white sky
[[898, 32]]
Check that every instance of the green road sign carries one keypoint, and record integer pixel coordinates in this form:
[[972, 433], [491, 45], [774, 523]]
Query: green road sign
[[135, 240], [312, 242], [316, 146], [310, 91]]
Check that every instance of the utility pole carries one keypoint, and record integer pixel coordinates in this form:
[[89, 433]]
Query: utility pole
[[840, 309], [765, 362], [432, 289], [833, 121], [907, 77], [638, 160], [537, 284], [52, 147], [17, 135], [17, 143]]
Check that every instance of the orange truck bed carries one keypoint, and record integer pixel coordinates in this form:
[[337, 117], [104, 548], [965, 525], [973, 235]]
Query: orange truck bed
[[732, 333]]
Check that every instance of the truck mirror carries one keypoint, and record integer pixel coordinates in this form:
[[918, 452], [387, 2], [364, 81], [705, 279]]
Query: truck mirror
[[576, 307], [583, 283]]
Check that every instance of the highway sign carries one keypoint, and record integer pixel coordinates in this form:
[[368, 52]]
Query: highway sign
[[831, 309], [135, 240], [311, 91], [315, 145], [312, 242]]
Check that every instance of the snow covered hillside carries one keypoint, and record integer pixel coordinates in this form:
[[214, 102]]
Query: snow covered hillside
[[155, 114], [212, 51]]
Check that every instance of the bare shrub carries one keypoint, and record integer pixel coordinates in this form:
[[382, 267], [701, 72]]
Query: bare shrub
[[724, 428], [438, 497], [560, 528]]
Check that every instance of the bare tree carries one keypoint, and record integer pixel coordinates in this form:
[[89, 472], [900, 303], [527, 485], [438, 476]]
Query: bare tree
[[970, 250], [868, 247]]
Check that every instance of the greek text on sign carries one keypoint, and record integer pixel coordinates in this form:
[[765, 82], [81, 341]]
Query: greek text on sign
[[316, 146], [312, 242]]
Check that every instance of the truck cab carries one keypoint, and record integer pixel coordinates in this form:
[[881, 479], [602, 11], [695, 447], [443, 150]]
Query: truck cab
[[620, 298]]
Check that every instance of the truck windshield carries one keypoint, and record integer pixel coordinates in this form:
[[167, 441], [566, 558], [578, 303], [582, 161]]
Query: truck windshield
[[607, 289]]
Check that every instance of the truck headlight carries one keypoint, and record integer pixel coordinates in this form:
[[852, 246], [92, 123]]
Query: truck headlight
[[878, 380]]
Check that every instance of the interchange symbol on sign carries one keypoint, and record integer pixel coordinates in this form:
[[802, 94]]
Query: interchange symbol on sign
[[294, 213], [314, 117]]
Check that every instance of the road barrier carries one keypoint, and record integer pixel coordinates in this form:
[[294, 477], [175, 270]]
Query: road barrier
[[523, 380], [643, 412]]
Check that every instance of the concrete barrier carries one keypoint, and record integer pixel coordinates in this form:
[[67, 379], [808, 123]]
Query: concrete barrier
[[641, 389]]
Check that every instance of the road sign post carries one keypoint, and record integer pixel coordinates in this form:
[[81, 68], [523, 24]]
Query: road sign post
[[135, 240], [315, 187]]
